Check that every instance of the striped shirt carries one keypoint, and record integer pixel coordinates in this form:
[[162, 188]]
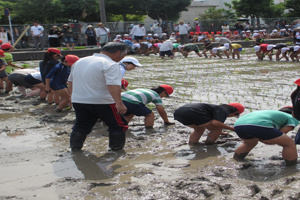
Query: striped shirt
[[141, 96]]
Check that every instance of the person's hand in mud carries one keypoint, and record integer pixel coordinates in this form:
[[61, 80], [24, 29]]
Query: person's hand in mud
[[169, 123]]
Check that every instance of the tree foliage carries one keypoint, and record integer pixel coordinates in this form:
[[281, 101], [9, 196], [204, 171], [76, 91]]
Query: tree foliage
[[213, 13], [165, 9], [294, 7]]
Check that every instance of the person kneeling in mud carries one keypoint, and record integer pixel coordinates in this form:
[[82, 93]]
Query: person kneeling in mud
[[201, 116], [137, 99], [218, 50], [269, 127]]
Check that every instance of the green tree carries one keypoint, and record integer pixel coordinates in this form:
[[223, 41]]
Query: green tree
[[128, 10], [294, 7], [252, 8], [165, 9], [213, 13]]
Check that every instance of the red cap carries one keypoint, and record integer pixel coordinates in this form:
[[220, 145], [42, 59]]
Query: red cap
[[235, 32], [238, 106], [71, 59], [6, 46], [212, 32], [124, 83], [297, 82], [1, 41], [2, 53], [168, 89], [224, 32], [177, 33], [219, 32], [191, 33], [53, 50]]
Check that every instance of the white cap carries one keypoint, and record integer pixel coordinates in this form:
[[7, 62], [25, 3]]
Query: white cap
[[118, 36], [243, 31], [264, 30], [226, 45], [132, 60], [215, 49], [172, 40], [261, 31], [284, 49], [275, 31], [289, 29], [200, 38], [155, 34], [217, 39], [149, 45], [296, 48], [271, 46], [126, 35], [282, 30], [149, 34], [136, 45], [248, 31], [180, 46], [255, 34], [257, 48], [164, 34], [256, 31]]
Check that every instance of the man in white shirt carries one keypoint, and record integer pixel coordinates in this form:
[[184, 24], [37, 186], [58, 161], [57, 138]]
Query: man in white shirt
[[138, 32], [158, 30], [102, 34], [96, 94], [183, 32], [37, 34]]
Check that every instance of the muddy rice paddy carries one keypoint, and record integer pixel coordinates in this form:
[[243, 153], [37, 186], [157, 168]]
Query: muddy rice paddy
[[36, 162]]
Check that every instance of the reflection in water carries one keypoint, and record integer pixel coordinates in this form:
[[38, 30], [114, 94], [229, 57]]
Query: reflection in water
[[198, 152], [97, 168]]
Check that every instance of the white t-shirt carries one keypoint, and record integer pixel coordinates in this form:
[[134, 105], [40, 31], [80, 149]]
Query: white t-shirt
[[37, 75], [36, 30], [90, 77], [4, 37], [101, 31], [183, 29], [166, 46], [138, 31]]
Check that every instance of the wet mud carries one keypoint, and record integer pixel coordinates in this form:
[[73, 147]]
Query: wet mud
[[36, 162]]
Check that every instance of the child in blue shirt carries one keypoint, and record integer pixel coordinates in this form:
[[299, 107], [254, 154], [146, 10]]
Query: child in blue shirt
[[57, 80]]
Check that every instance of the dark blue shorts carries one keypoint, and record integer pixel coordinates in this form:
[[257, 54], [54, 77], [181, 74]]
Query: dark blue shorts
[[163, 53], [136, 109], [29, 79], [239, 49], [251, 131], [3, 74], [57, 86]]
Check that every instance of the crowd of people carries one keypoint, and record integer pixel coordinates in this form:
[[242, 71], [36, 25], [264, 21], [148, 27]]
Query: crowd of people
[[93, 87]]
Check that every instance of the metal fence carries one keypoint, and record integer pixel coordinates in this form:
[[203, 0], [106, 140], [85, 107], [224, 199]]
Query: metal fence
[[124, 27]]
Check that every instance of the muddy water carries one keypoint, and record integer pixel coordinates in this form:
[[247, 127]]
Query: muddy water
[[36, 162]]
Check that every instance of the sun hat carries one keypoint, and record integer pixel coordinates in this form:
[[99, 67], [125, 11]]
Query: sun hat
[[180, 46], [255, 34], [100, 24], [124, 83], [256, 48], [6, 46], [296, 48], [168, 89], [271, 46], [2, 53], [53, 50], [226, 45], [284, 49], [238, 106], [132, 60], [200, 38], [71, 59]]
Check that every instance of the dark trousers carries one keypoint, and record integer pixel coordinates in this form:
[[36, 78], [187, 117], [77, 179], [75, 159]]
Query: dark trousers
[[138, 38], [87, 116], [183, 39]]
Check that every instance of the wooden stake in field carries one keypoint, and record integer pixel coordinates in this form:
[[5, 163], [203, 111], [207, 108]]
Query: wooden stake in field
[[23, 33]]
